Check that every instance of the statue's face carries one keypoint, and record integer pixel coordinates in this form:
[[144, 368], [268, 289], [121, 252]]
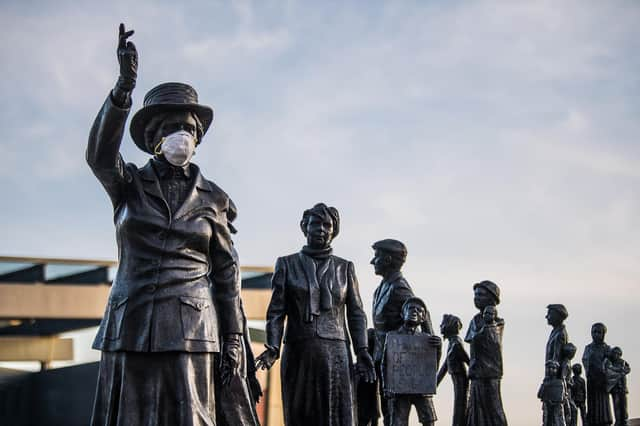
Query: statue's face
[[413, 313], [482, 298], [553, 317], [381, 262], [597, 334], [174, 122], [319, 232]]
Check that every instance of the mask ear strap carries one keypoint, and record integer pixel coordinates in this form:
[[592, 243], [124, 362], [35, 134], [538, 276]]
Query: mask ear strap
[[157, 149]]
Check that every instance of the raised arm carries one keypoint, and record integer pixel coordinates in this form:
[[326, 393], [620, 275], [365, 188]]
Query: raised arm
[[106, 133]]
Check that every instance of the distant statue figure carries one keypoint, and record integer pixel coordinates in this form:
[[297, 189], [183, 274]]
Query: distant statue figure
[[598, 400], [388, 298], [556, 344], [552, 393], [485, 367], [616, 370], [556, 314], [579, 395], [568, 353], [413, 316], [317, 294], [367, 393], [455, 363]]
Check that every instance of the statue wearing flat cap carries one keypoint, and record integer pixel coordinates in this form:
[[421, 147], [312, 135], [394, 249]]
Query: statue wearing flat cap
[[389, 297], [175, 301]]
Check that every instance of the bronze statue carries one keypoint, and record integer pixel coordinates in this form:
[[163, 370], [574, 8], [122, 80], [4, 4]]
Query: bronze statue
[[568, 353], [556, 314], [616, 370], [598, 401], [175, 301], [485, 367], [413, 315], [552, 393], [578, 395], [388, 298], [317, 293], [455, 363]]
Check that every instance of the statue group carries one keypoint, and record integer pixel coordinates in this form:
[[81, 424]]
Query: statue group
[[564, 393], [174, 340]]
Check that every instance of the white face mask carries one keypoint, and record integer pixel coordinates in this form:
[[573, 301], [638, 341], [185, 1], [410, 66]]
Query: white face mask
[[178, 147]]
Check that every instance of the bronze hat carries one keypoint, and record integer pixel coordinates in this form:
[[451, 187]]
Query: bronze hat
[[163, 98]]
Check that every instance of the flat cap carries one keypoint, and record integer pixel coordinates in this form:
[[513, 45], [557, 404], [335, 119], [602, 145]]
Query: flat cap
[[392, 246]]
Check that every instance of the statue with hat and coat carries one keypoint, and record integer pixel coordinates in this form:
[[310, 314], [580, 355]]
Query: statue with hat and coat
[[389, 297], [485, 366], [175, 301]]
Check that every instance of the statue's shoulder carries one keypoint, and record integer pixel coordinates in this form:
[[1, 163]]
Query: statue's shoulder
[[401, 282], [340, 261]]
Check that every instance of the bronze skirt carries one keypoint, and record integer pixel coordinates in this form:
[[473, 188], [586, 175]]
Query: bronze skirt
[[316, 383], [155, 388]]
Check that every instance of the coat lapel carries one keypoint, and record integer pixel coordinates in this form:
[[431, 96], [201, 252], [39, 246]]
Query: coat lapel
[[151, 185], [385, 293], [194, 198]]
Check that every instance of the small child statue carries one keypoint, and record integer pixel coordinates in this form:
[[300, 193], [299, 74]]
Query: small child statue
[[414, 313], [567, 354], [616, 370], [552, 393], [579, 395], [455, 363]]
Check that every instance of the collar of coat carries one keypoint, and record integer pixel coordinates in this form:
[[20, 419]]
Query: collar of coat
[[151, 186]]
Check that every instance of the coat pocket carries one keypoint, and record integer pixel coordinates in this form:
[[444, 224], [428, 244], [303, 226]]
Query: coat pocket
[[115, 317], [198, 319]]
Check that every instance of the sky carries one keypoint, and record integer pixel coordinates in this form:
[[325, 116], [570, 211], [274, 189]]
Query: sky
[[497, 139]]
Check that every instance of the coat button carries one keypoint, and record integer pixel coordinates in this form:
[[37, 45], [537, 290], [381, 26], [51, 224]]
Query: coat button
[[162, 235], [151, 288]]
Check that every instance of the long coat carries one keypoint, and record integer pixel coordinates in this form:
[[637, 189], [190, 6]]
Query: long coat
[[316, 362], [295, 289], [177, 287]]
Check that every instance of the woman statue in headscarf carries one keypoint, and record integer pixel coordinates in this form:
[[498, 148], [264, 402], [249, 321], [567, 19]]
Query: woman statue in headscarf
[[317, 293]]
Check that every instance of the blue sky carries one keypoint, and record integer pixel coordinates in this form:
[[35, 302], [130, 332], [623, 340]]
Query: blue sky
[[498, 140]]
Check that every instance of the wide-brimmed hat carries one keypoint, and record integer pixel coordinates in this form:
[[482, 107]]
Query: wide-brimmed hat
[[163, 98]]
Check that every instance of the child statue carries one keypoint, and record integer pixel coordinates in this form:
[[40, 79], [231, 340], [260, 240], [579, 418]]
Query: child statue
[[413, 315], [552, 393], [578, 395], [568, 353], [616, 370], [455, 363]]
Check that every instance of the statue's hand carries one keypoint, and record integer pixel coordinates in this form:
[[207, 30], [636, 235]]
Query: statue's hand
[[266, 359], [435, 341], [365, 367], [128, 60], [231, 356]]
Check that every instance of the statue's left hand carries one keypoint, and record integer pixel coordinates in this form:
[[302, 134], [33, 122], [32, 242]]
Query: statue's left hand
[[128, 60], [231, 355], [435, 341], [365, 367]]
